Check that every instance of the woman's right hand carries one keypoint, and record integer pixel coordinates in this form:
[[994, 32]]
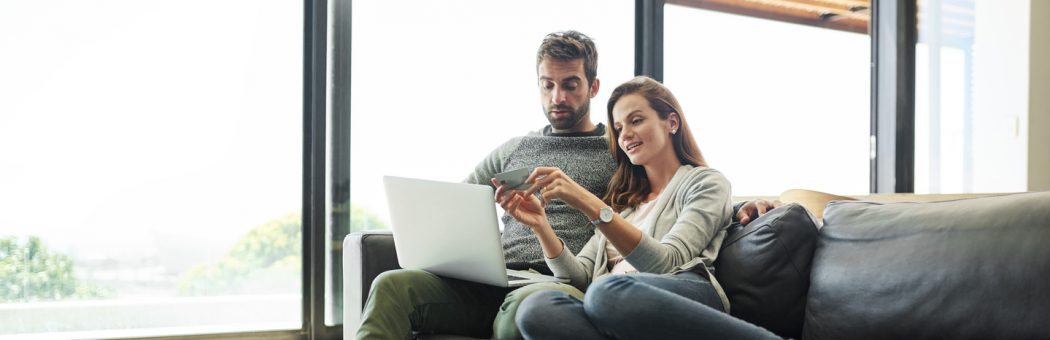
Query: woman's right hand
[[524, 207]]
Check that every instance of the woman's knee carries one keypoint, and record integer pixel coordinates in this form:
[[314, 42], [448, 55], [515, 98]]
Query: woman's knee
[[613, 301], [515, 297], [607, 293], [538, 303], [535, 309]]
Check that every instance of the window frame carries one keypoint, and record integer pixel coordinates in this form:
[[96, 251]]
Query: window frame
[[315, 79], [894, 34]]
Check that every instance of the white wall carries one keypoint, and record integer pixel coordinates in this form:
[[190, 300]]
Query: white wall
[[1001, 94]]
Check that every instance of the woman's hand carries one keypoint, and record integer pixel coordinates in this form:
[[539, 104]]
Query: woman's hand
[[552, 183], [524, 207], [527, 209]]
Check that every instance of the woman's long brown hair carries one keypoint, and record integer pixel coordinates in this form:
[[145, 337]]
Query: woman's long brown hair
[[630, 184]]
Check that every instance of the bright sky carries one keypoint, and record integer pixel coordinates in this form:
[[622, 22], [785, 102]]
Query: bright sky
[[123, 122]]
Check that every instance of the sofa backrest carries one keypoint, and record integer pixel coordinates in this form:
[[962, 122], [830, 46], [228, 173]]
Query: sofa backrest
[[964, 269], [815, 201]]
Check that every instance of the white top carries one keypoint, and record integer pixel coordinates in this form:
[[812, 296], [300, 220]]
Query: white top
[[616, 263]]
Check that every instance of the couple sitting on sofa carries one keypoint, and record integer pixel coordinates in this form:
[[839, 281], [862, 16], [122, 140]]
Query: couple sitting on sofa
[[632, 215], [673, 214]]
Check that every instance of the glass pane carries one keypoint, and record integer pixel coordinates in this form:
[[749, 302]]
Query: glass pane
[[774, 105], [151, 160], [971, 97], [437, 85]]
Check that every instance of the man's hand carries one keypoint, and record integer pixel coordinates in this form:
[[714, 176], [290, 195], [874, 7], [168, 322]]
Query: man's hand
[[753, 209]]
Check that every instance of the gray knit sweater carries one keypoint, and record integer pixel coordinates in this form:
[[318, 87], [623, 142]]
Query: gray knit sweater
[[584, 157]]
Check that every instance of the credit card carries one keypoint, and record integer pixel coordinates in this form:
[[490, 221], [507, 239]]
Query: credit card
[[514, 179]]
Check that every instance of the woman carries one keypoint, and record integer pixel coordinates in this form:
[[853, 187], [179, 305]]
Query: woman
[[673, 212]]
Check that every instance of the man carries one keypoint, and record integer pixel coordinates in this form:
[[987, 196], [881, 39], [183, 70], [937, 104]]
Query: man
[[567, 69], [403, 301]]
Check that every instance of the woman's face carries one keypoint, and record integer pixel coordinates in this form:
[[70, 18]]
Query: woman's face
[[643, 136]]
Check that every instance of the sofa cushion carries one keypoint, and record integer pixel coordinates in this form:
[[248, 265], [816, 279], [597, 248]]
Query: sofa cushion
[[764, 268], [965, 269]]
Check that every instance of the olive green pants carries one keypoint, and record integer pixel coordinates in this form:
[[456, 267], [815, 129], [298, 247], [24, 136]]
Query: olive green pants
[[402, 301]]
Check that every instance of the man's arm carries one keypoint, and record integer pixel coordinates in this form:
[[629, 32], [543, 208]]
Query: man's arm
[[747, 211], [494, 163]]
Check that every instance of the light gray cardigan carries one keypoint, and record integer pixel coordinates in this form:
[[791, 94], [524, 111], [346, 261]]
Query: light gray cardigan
[[683, 233]]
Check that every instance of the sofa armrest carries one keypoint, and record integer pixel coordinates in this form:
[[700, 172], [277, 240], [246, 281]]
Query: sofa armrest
[[366, 254]]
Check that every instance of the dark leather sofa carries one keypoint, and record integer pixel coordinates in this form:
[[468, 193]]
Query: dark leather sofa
[[975, 268]]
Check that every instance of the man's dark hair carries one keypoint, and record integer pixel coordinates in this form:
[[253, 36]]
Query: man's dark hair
[[570, 45]]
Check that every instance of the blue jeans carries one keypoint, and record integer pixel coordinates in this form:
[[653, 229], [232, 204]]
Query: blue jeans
[[640, 306]]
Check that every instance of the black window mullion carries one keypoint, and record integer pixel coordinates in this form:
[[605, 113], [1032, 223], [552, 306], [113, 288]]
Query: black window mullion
[[340, 146], [313, 212], [893, 36], [649, 38]]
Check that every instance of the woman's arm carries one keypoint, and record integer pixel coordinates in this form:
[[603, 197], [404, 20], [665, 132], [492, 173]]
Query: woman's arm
[[552, 183], [704, 211], [527, 209], [578, 269], [622, 234]]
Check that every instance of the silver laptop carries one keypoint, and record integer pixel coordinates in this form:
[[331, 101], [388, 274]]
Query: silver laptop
[[451, 229]]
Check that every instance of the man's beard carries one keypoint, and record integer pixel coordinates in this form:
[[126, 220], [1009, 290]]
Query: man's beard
[[572, 120]]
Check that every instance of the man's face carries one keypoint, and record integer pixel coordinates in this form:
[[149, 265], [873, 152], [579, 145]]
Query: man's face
[[565, 93]]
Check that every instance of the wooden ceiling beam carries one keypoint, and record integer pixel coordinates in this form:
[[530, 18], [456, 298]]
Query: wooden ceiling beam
[[807, 6], [845, 5], [786, 11]]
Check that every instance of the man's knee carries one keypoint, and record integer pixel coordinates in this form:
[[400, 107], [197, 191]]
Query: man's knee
[[503, 326], [399, 279]]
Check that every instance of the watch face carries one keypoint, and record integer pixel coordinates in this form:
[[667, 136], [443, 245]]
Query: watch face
[[606, 215]]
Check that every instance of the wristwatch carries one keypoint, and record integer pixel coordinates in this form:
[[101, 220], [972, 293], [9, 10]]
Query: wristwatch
[[605, 215]]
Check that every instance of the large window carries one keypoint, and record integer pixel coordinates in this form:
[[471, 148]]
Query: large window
[[151, 158], [774, 105]]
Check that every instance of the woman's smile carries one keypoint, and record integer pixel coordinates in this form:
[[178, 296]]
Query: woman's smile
[[630, 147]]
